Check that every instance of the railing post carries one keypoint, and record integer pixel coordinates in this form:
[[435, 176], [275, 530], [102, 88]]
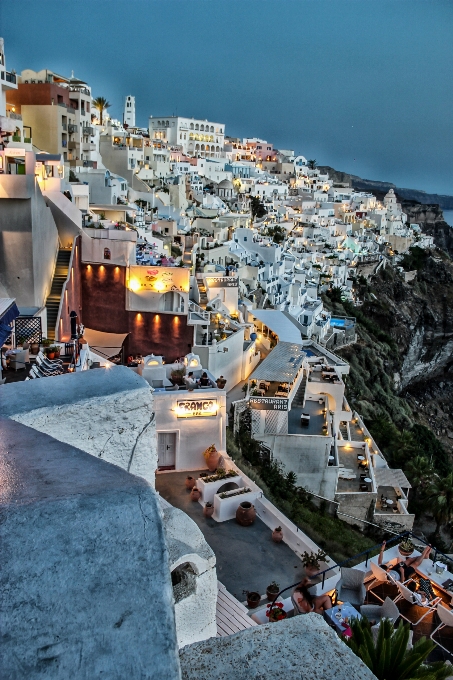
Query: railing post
[[323, 578], [435, 556], [367, 558]]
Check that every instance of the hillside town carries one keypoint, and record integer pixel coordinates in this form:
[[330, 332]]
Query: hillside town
[[166, 334]]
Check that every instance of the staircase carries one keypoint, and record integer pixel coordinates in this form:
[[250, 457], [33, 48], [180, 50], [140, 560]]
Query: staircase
[[202, 291], [53, 300], [344, 430], [298, 400]]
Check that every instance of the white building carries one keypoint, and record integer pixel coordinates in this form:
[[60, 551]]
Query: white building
[[129, 111], [195, 137]]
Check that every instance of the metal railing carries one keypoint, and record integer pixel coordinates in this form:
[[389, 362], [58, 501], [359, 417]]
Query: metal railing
[[367, 553]]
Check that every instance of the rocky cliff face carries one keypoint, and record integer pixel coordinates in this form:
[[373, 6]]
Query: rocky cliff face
[[431, 219]]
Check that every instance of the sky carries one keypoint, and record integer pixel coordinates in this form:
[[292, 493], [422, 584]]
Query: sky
[[365, 86]]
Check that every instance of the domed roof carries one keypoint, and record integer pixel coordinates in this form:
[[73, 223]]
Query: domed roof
[[225, 184]]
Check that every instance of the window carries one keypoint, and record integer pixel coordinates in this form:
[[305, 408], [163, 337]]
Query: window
[[107, 254]]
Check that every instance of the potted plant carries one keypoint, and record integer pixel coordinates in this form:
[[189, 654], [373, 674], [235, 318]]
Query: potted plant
[[56, 351], [46, 342], [406, 547], [50, 353], [277, 535], [276, 612], [208, 509], [272, 590], [195, 494], [253, 598], [177, 376], [245, 514], [34, 347], [211, 456], [190, 482], [312, 561], [20, 341]]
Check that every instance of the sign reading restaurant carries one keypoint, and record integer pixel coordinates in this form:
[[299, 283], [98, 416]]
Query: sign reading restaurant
[[269, 404], [196, 408], [222, 282]]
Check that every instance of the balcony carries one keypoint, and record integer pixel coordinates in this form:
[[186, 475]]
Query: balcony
[[64, 126], [88, 131], [72, 128], [9, 77], [13, 116], [72, 145], [88, 146]]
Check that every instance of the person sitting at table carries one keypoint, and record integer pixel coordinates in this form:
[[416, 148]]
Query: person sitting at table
[[190, 381], [403, 571], [204, 380], [305, 603]]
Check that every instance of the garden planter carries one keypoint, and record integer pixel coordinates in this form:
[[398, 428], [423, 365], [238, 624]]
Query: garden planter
[[57, 354], [245, 514], [253, 600], [190, 482], [276, 614], [311, 571], [212, 457], [195, 494], [208, 510], [51, 355], [277, 535], [405, 553]]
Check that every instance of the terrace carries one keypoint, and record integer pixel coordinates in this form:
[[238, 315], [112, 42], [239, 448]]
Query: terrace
[[355, 469]]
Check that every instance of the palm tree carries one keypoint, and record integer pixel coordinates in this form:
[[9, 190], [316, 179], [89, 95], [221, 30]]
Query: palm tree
[[405, 446], [440, 493], [101, 104], [388, 657], [312, 164], [420, 472]]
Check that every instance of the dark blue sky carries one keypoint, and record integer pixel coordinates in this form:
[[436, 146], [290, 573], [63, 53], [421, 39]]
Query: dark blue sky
[[362, 85]]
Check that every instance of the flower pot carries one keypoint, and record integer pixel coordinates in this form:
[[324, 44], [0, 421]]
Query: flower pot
[[57, 354], [405, 553], [51, 355], [212, 457], [271, 594], [311, 571], [253, 600], [277, 615], [190, 482], [34, 347], [208, 510], [195, 494], [245, 514], [277, 536]]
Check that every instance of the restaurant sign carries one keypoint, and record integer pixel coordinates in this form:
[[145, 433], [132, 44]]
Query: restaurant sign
[[222, 281], [269, 404], [196, 408]]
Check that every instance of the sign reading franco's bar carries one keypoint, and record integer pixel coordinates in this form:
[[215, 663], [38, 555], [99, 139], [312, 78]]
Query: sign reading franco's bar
[[222, 281], [196, 408], [269, 404]]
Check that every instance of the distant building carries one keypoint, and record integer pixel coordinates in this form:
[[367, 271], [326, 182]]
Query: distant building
[[195, 137], [129, 111]]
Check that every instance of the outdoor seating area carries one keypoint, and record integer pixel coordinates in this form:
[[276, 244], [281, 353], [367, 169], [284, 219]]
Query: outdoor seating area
[[354, 470]]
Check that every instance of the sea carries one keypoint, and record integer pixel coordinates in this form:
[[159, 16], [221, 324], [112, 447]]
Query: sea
[[448, 217]]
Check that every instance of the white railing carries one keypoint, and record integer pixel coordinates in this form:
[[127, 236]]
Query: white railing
[[199, 311]]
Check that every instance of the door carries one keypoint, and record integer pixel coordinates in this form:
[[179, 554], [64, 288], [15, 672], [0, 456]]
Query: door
[[166, 450]]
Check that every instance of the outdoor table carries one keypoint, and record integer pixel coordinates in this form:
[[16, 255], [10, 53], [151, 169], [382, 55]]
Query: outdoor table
[[360, 457], [346, 610], [389, 501], [367, 480], [428, 570]]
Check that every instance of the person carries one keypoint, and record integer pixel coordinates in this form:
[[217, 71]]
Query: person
[[305, 603], [221, 382], [204, 380], [190, 381], [422, 592], [403, 571]]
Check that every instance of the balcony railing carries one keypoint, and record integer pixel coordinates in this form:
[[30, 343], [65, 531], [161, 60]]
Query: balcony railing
[[72, 127], [13, 116], [72, 145], [88, 131], [64, 126], [9, 77]]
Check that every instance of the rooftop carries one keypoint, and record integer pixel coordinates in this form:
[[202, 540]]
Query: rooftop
[[281, 323], [282, 364]]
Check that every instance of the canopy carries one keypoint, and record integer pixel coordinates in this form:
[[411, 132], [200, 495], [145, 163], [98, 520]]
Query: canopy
[[105, 344], [387, 477]]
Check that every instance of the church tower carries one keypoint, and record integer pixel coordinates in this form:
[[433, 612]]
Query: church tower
[[129, 111]]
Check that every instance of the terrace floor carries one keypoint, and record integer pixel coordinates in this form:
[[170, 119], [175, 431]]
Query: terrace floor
[[348, 458], [389, 493], [317, 418], [247, 558]]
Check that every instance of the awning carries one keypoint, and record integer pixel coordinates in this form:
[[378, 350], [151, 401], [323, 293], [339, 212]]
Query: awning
[[105, 344], [8, 312], [387, 477]]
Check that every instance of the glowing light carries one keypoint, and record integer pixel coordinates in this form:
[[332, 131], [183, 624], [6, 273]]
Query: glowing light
[[89, 267], [157, 318], [159, 285], [138, 317], [117, 269], [176, 319], [134, 284]]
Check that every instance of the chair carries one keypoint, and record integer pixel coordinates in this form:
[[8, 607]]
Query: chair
[[377, 612], [350, 587], [446, 619], [380, 576], [406, 594]]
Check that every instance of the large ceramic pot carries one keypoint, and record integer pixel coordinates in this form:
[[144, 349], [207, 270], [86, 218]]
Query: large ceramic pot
[[253, 600], [311, 571], [190, 482], [195, 494], [34, 347], [271, 593], [405, 553], [208, 510], [212, 457], [245, 514]]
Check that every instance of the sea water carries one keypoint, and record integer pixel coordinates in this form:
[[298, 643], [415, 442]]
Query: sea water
[[448, 217]]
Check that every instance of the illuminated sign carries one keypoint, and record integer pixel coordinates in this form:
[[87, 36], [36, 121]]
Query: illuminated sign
[[158, 279], [269, 404], [196, 408], [15, 153], [222, 282]]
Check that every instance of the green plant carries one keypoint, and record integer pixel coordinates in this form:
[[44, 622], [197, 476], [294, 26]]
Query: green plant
[[407, 545], [101, 104], [313, 560], [440, 495], [244, 387], [46, 342], [274, 586], [388, 658]]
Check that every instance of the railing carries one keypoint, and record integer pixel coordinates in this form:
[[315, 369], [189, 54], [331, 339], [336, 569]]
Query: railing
[[72, 127], [14, 116], [196, 309], [64, 126], [9, 77], [374, 549]]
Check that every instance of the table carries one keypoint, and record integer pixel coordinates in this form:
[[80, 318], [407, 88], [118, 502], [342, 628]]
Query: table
[[367, 480], [360, 457], [389, 501], [346, 610]]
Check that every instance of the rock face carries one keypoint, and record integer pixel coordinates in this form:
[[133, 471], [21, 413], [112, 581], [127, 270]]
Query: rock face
[[107, 413], [301, 648], [86, 590]]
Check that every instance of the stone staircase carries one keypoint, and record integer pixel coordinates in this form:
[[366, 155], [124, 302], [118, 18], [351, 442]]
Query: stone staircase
[[53, 300], [298, 400], [202, 291], [344, 430]]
